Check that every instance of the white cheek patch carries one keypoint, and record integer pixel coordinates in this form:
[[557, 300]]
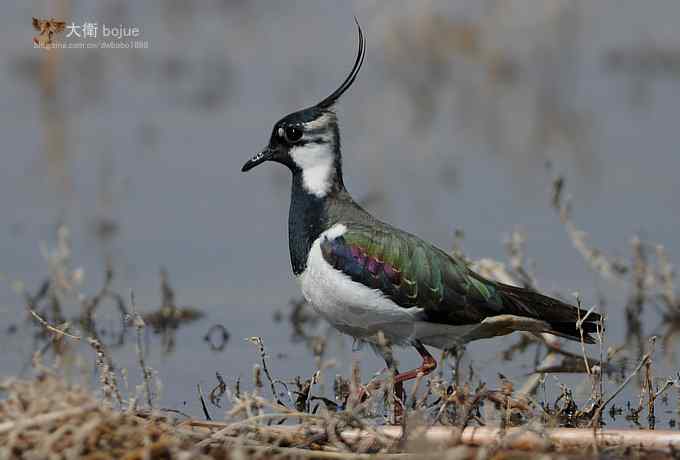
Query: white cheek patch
[[321, 122], [316, 163]]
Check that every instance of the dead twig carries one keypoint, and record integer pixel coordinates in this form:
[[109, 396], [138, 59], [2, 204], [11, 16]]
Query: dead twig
[[139, 325], [263, 359], [60, 332], [616, 392], [203, 404]]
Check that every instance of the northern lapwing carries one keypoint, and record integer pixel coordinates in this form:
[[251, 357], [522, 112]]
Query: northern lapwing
[[380, 284]]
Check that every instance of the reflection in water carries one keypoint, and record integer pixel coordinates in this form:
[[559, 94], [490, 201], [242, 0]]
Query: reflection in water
[[61, 292], [169, 317], [515, 94], [643, 64]]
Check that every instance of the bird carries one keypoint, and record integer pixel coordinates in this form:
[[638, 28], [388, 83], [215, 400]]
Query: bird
[[382, 285]]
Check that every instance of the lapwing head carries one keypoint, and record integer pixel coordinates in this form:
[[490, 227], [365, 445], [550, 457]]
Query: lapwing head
[[308, 141]]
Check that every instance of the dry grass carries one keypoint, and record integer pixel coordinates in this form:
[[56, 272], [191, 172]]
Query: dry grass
[[45, 417]]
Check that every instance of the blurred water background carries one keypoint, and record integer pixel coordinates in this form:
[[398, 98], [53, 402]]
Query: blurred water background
[[457, 114]]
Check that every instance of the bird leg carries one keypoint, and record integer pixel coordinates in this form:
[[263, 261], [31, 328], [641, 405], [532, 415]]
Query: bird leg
[[428, 365]]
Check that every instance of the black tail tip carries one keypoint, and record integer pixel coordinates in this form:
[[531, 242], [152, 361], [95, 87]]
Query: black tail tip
[[579, 331]]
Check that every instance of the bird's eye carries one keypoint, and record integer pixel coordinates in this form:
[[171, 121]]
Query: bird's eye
[[292, 134]]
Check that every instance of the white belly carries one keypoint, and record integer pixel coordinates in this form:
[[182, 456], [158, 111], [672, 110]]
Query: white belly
[[350, 306]]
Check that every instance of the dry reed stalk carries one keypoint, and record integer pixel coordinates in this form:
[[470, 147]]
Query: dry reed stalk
[[44, 419], [523, 439]]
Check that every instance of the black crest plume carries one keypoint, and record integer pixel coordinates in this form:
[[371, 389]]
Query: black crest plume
[[330, 100]]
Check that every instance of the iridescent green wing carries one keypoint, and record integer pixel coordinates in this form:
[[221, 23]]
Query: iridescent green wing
[[413, 273]]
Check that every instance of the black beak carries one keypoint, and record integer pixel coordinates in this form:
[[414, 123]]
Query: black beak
[[261, 157]]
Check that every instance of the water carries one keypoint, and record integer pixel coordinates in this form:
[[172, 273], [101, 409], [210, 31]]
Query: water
[[457, 111]]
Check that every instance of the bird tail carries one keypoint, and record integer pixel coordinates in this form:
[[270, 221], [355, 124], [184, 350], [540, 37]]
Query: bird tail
[[562, 318]]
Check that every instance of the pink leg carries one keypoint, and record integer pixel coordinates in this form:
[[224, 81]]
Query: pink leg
[[428, 365]]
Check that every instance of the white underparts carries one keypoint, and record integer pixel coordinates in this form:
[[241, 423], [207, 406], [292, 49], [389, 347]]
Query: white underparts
[[316, 162], [350, 306]]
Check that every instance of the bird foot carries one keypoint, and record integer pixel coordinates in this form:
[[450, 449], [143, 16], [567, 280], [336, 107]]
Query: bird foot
[[428, 365]]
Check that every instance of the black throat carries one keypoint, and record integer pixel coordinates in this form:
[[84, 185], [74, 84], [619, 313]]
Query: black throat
[[308, 215], [307, 219]]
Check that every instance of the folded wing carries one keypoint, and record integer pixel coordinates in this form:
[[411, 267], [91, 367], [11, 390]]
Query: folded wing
[[413, 273]]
